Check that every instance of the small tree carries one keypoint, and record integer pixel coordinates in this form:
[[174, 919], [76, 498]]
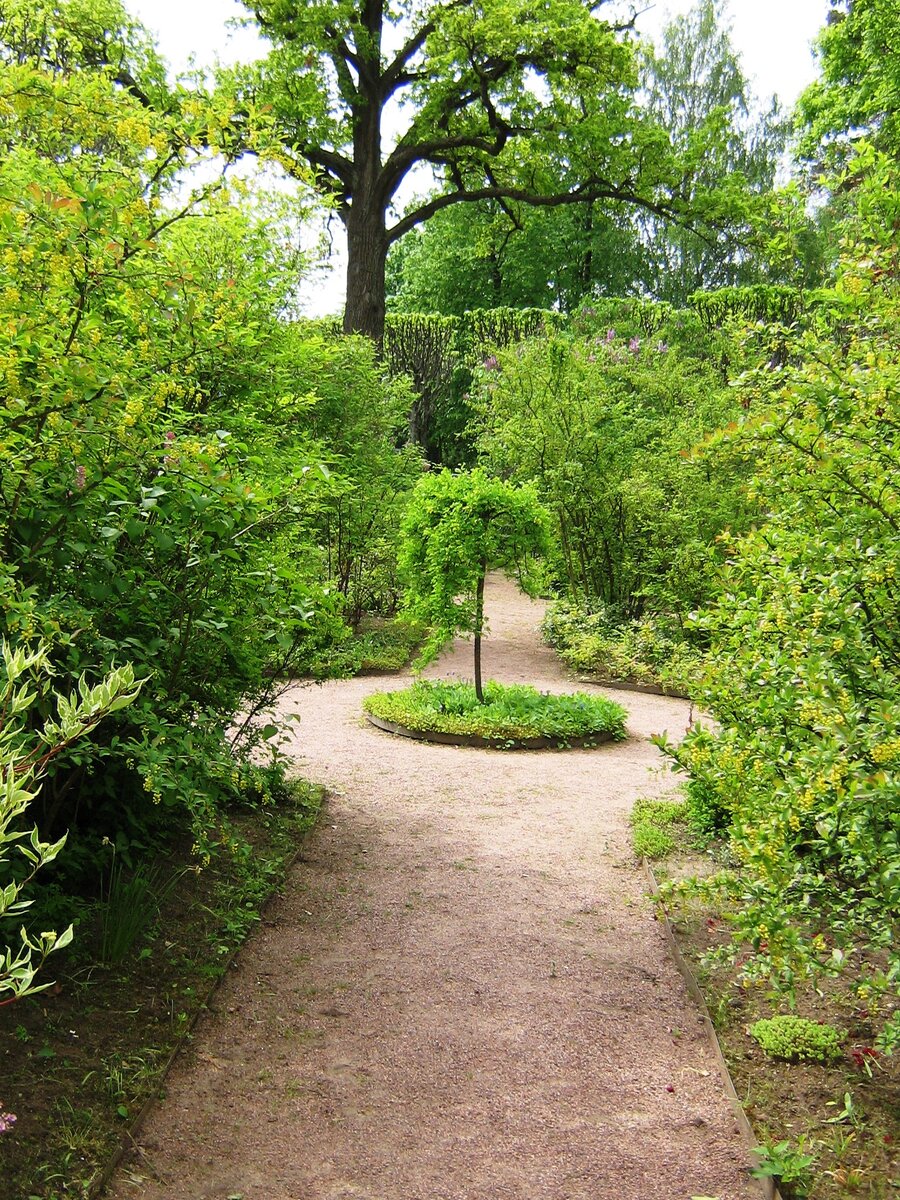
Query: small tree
[[456, 529]]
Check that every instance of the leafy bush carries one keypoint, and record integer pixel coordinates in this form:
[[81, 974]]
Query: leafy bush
[[802, 677], [605, 427], [24, 755], [508, 713], [796, 1039]]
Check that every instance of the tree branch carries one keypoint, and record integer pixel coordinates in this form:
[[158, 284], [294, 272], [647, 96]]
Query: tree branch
[[581, 195]]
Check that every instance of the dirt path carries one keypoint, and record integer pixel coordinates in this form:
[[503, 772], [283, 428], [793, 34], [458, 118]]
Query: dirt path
[[462, 994]]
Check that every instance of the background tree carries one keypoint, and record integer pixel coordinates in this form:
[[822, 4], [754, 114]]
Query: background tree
[[697, 90], [508, 101], [486, 255], [456, 529], [858, 92]]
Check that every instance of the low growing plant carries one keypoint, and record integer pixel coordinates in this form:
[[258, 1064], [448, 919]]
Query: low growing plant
[[797, 1039], [510, 713]]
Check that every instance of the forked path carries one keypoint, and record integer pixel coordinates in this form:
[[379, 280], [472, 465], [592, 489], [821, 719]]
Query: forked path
[[462, 994]]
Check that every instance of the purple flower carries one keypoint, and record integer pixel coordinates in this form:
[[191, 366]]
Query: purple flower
[[610, 335], [80, 478], [7, 1120], [662, 347], [634, 345], [491, 363], [170, 437], [592, 358]]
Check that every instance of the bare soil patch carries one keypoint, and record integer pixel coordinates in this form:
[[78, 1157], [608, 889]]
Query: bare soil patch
[[462, 994]]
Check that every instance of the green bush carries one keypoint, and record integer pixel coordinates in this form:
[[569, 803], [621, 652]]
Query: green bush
[[796, 1039], [508, 713], [803, 672]]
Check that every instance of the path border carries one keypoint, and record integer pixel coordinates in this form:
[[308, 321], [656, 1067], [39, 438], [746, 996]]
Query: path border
[[475, 740], [768, 1187]]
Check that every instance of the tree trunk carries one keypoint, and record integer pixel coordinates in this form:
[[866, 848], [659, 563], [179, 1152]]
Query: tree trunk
[[367, 248], [479, 622]]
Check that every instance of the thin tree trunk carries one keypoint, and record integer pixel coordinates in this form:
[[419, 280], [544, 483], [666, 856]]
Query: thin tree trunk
[[479, 623]]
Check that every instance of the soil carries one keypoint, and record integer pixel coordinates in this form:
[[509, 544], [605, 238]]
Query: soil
[[462, 994]]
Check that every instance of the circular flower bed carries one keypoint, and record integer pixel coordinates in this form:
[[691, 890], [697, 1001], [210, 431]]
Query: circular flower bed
[[512, 717]]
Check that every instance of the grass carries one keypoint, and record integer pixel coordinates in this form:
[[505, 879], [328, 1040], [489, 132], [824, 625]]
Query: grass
[[509, 713]]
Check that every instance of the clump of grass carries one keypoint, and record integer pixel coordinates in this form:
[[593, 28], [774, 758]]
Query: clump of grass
[[796, 1039], [509, 713]]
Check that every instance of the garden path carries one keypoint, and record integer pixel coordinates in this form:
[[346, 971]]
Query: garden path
[[462, 994]]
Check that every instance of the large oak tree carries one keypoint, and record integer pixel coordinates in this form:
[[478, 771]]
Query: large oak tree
[[516, 101]]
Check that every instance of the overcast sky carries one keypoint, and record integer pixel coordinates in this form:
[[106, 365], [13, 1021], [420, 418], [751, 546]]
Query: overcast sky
[[773, 38]]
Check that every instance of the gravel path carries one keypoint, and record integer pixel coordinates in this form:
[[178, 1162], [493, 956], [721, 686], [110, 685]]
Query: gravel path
[[462, 994]]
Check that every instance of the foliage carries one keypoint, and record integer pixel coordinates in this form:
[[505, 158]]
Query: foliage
[[856, 94], [24, 755], [797, 1039], [439, 354], [787, 1164], [647, 651], [486, 255], [505, 102], [650, 841], [604, 424], [656, 826], [165, 434], [456, 528], [802, 677], [506, 714], [696, 89]]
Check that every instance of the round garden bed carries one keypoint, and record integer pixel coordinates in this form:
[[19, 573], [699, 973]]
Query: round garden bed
[[511, 717]]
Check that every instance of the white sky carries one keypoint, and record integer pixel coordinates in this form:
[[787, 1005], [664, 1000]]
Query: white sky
[[773, 37]]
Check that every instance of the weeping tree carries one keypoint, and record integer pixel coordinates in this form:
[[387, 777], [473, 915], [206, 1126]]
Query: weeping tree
[[502, 100], [456, 529]]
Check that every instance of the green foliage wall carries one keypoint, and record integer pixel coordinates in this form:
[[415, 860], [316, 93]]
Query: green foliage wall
[[604, 421], [166, 497], [804, 764]]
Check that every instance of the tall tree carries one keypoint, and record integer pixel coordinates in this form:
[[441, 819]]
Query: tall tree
[[858, 93], [507, 100], [696, 89]]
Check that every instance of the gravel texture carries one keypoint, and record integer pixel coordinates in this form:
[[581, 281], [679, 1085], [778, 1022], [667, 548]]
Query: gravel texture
[[462, 994]]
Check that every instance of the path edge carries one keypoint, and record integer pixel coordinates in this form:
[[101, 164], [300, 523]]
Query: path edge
[[767, 1187], [476, 741]]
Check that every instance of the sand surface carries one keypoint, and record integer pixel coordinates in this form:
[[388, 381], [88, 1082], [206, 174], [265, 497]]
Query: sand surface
[[462, 994]]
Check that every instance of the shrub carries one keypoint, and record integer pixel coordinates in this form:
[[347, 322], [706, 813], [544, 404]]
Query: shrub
[[796, 1039]]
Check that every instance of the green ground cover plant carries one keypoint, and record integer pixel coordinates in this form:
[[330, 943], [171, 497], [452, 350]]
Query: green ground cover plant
[[505, 713], [797, 1039], [650, 651]]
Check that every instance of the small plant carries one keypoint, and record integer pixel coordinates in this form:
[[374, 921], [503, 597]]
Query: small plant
[[653, 821], [650, 841], [787, 1165], [130, 905], [796, 1039]]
